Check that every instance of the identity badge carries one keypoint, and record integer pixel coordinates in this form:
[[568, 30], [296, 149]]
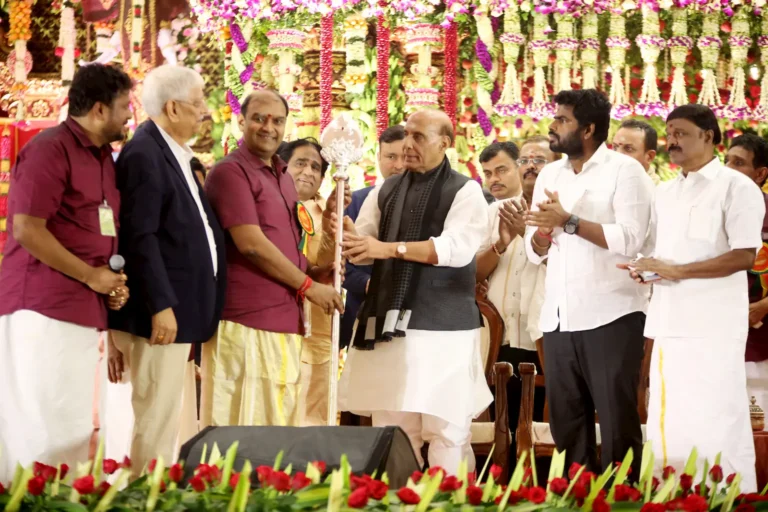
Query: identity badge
[[107, 220]]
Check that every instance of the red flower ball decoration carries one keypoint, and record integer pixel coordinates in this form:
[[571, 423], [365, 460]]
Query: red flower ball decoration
[[358, 498], [474, 495], [408, 496], [176, 473], [35, 486], [84, 485]]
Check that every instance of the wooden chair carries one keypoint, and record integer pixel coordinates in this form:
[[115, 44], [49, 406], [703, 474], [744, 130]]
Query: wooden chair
[[536, 438], [486, 433]]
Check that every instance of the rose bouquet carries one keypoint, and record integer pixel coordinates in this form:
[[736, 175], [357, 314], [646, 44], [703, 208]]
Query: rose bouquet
[[215, 485]]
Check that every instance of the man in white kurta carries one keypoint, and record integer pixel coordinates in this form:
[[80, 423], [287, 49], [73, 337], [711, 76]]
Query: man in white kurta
[[428, 377], [705, 231]]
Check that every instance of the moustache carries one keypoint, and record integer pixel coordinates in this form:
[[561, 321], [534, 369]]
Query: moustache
[[673, 148], [551, 134], [530, 173]]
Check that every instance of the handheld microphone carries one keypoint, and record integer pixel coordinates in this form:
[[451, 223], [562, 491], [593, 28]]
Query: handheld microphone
[[116, 263]]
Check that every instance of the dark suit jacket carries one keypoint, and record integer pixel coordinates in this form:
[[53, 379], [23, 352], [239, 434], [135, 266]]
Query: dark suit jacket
[[356, 276], [162, 238]]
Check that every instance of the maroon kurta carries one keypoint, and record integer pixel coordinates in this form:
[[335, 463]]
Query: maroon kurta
[[757, 339], [243, 190], [63, 177]]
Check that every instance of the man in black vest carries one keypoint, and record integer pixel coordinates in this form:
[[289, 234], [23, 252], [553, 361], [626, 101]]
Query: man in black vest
[[422, 230]]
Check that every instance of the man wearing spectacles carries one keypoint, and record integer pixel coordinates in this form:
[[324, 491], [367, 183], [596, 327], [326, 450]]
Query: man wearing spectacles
[[515, 286]]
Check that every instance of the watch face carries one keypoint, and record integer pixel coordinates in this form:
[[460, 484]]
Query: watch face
[[570, 228], [401, 248]]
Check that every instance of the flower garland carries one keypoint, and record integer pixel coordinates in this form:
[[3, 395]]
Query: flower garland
[[137, 34], [285, 44], [565, 46], [679, 45], [185, 36], [618, 44], [709, 44], [66, 48], [382, 71], [422, 37], [761, 112], [590, 50], [20, 32], [240, 52], [511, 102], [326, 69], [485, 75], [355, 32], [451, 65], [540, 45], [739, 41], [651, 44]]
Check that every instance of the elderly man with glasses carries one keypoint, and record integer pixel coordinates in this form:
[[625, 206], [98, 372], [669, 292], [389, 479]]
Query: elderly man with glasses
[[515, 286], [174, 252]]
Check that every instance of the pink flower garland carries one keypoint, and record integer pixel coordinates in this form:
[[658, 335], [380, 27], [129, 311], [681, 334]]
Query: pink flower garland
[[382, 71], [451, 62], [326, 70]]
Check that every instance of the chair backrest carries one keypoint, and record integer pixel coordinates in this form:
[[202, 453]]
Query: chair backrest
[[493, 335], [642, 385]]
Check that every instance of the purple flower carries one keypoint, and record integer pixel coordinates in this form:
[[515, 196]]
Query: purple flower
[[484, 122], [483, 56]]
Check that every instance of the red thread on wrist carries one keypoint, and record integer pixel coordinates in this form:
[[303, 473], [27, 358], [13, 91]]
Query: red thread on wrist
[[303, 288], [542, 235]]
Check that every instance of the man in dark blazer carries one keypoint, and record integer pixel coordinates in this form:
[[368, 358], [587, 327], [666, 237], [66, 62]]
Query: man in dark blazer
[[174, 251]]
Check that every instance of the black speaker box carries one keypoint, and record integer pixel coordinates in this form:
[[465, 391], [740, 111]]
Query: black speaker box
[[368, 449]]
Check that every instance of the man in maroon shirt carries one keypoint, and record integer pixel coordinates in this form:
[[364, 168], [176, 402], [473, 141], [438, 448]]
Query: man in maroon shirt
[[251, 368], [55, 282], [748, 154]]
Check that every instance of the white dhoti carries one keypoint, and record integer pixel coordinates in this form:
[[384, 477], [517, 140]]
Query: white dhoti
[[757, 382], [47, 373], [437, 375], [698, 398]]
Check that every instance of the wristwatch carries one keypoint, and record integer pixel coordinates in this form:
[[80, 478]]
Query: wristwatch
[[572, 225], [401, 250]]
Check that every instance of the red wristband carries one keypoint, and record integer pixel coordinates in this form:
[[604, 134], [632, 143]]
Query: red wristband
[[303, 288], [542, 235]]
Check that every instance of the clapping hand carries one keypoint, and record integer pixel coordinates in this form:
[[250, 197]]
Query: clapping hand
[[551, 214], [512, 221]]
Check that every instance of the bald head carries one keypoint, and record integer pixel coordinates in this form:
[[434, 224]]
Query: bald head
[[428, 134], [262, 95]]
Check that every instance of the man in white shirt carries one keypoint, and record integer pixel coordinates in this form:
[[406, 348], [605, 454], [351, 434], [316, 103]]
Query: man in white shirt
[[705, 231], [515, 285], [415, 358], [589, 213], [639, 140], [174, 247]]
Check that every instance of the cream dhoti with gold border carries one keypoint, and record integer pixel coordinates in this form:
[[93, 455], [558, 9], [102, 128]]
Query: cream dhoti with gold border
[[250, 377], [47, 373], [710, 372]]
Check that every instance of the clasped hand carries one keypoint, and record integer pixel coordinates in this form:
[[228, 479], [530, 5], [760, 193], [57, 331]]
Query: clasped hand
[[550, 215]]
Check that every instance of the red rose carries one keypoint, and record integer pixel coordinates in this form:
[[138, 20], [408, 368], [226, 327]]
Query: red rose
[[745, 507], [162, 485], [575, 467], [697, 489], [408, 496], [537, 495], [655, 484], [355, 482], [320, 465], [63, 470], [47, 472], [580, 491], [653, 507], [527, 475], [358, 498], [176, 473], [495, 472], [716, 473], [126, 462], [109, 466], [377, 489], [416, 476], [103, 488], [299, 481], [233, 480], [280, 481], [686, 482], [474, 495], [263, 473], [518, 496], [730, 478], [197, 483], [622, 492], [695, 503], [209, 473], [36, 485], [84, 484], [558, 486], [152, 465], [450, 484], [2, 489], [600, 505], [435, 470]]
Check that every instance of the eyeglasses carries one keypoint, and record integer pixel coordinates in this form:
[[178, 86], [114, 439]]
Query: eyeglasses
[[538, 162]]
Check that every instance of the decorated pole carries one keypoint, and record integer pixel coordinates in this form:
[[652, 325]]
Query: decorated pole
[[342, 143], [326, 69], [382, 70], [451, 63]]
